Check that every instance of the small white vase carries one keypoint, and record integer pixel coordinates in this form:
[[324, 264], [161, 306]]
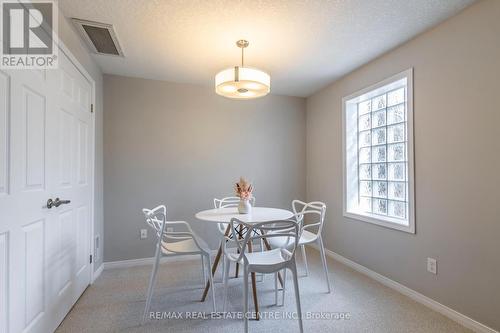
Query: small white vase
[[244, 207]]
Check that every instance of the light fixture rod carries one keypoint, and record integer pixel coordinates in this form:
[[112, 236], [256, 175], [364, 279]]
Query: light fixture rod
[[242, 44]]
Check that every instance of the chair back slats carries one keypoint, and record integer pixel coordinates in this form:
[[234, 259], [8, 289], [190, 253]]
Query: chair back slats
[[230, 202], [226, 202], [288, 229], [314, 212], [156, 218]]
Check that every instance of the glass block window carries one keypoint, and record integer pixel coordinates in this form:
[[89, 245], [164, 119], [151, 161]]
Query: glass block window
[[378, 154]]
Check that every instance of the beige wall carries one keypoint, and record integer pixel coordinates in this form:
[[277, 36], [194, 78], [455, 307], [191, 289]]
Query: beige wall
[[183, 145], [457, 165], [74, 43]]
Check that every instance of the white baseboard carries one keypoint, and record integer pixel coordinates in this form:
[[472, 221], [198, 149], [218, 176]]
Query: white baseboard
[[149, 261], [416, 296], [97, 273]]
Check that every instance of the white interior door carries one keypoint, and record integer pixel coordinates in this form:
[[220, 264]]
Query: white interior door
[[45, 153]]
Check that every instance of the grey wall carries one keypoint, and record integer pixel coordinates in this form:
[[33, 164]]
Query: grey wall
[[457, 116], [183, 145], [70, 38]]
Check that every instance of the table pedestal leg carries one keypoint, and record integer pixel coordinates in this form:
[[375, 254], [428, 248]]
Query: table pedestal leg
[[216, 263], [254, 288]]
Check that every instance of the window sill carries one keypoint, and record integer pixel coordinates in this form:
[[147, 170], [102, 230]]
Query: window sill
[[386, 222]]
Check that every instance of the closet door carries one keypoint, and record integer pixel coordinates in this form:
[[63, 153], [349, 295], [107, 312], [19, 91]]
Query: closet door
[[45, 147]]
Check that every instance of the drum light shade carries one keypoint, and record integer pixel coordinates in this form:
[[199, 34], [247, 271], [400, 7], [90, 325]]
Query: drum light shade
[[242, 83]]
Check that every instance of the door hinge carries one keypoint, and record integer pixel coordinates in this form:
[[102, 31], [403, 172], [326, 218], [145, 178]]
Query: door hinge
[[91, 108], [90, 258]]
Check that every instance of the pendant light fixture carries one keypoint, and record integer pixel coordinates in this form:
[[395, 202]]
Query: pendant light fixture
[[242, 82]]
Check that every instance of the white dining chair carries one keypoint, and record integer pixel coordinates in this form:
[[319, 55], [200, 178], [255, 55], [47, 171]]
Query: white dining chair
[[226, 203], [265, 261], [174, 238], [314, 212]]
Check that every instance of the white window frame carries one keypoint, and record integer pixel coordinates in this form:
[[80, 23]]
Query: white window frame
[[348, 102]]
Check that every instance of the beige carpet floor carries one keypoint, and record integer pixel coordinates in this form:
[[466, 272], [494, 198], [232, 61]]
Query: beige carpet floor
[[115, 303]]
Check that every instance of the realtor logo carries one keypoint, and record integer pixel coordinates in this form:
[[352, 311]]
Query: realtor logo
[[28, 34]]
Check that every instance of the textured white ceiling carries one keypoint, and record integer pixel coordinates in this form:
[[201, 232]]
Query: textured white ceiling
[[304, 45]]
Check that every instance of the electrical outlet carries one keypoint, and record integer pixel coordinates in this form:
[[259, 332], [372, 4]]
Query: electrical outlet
[[144, 233], [432, 265], [170, 229]]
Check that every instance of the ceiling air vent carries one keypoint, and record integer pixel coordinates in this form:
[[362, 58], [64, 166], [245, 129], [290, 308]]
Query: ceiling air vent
[[100, 37]]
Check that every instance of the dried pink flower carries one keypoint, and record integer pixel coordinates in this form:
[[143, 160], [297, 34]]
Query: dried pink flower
[[243, 189]]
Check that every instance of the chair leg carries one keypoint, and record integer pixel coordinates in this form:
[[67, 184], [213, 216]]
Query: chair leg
[[283, 288], [304, 257], [260, 276], [297, 294], [237, 269], [276, 288], [323, 259], [152, 281], [262, 249], [211, 279], [245, 298], [236, 273], [203, 270], [225, 276], [223, 266]]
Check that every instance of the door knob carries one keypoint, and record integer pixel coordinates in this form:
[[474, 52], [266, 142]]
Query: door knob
[[58, 202], [50, 203]]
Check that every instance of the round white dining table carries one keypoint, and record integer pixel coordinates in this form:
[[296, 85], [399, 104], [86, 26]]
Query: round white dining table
[[225, 215], [257, 214]]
